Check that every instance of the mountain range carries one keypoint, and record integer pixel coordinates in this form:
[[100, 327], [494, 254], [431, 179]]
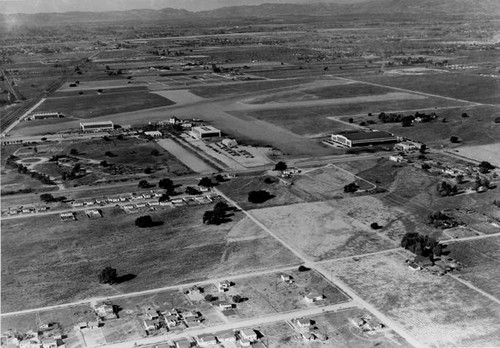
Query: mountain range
[[376, 7]]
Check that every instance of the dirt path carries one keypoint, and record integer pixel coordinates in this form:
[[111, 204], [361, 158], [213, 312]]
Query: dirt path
[[448, 241], [469, 285]]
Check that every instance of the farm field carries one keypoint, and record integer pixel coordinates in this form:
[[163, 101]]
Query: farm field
[[322, 231], [268, 294], [482, 262], [479, 89], [89, 106], [61, 260], [337, 327], [438, 311]]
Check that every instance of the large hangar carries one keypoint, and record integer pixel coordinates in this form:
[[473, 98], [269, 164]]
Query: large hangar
[[360, 138], [96, 126]]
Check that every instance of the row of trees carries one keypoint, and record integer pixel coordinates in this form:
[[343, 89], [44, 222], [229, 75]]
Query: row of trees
[[21, 169], [441, 220], [406, 120], [445, 189]]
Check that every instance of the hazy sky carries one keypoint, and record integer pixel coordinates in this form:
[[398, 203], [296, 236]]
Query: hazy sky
[[33, 6]]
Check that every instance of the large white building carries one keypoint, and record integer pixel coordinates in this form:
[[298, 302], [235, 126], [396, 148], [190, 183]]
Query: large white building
[[201, 132], [357, 138], [96, 126]]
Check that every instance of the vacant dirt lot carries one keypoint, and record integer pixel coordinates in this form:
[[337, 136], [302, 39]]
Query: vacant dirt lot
[[61, 261], [321, 230], [438, 311], [482, 260]]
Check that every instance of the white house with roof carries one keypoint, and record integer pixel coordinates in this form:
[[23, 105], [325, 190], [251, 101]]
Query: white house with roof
[[206, 340], [313, 297], [248, 334]]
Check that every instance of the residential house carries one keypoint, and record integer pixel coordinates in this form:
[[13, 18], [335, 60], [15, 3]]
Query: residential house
[[226, 336], [224, 285], [151, 314], [151, 325], [105, 311], [301, 322], [308, 336], [248, 334], [171, 321], [206, 340], [286, 278], [184, 343], [413, 266], [224, 305], [245, 343], [313, 297], [49, 343]]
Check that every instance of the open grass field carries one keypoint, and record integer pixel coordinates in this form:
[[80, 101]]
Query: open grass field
[[89, 106], [61, 261], [245, 87], [268, 294], [482, 260], [338, 90], [488, 153], [438, 311], [322, 230], [337, 327], [474, 88], [238, 189], [129, 152], [478, 129], [313, 119], [67, 317]]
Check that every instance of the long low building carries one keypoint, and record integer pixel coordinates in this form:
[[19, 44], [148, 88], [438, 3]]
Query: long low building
[[96, 126], [44, 115], [360, 138]]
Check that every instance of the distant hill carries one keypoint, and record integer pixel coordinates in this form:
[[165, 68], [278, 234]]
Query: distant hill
[[408, 7]]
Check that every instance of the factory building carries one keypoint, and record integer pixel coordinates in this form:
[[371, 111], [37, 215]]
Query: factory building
[[360, 138], [44, 115], [96, 126]]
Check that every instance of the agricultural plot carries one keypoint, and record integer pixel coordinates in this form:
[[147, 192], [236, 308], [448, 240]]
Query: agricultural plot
[[482, 153], [437, 311], [482, 262], [61, 261], [89, 106], [338, 330], [321, 230]]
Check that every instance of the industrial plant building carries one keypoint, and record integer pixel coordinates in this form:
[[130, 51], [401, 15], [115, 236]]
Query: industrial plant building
[[360, 138]]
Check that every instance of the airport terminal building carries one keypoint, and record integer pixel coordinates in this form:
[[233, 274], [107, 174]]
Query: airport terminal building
[[361, 138]]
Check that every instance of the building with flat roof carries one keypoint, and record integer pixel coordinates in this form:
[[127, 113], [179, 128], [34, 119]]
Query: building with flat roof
[[360, 138], [44, 115], [202, 132], [96, 126]]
